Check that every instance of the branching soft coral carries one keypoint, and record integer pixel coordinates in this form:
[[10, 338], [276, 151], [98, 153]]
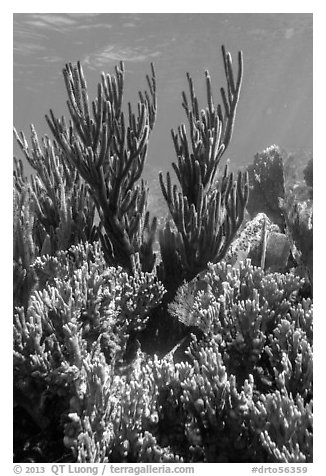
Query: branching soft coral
[[109, 148], [25, 250], [60, 200], [208, 210]]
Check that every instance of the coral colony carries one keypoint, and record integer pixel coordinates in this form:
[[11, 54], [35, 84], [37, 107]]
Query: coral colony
[[187, 339]]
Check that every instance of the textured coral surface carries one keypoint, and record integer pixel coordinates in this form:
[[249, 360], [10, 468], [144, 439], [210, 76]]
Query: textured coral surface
[[198, 352]]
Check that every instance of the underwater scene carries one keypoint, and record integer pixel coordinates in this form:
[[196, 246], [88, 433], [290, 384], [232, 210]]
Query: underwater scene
[[163, 238]]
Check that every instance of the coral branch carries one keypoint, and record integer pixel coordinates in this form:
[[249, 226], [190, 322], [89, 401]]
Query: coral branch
[[109, 152], [207, 212]]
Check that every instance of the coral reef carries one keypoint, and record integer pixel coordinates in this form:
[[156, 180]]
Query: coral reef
[[197, 410], [83, 305], [243, 306], [203, 356], [252, 353]]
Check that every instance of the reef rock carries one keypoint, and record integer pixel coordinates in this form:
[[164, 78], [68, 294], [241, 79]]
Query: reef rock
[[277, 252], [250, 238], [258, 235], [266, 179]]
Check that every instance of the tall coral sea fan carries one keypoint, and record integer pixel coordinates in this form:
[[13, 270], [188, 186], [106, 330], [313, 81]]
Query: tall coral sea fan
[[108, 148], [209, 209]]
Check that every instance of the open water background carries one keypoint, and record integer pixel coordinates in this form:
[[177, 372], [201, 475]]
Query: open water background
[[276, 101]]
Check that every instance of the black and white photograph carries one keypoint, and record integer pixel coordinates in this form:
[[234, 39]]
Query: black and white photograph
[[162, 242]]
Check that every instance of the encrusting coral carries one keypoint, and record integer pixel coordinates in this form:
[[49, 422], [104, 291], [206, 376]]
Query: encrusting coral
[[280, 193], [266, 178]]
